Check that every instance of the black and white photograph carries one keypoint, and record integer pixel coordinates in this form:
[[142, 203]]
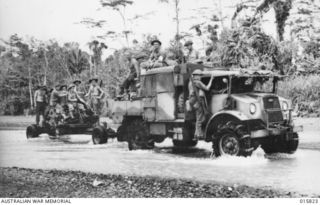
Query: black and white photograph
[[162, 99]]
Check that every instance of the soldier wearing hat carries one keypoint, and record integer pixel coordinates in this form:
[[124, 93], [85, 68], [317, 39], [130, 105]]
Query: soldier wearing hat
[[40, 100], [77, 83], [197, 100], [191, 55], [134, 75], [63, 100], [54, 96], [53, 99], [95, 95], [157, 58], [72, 99]]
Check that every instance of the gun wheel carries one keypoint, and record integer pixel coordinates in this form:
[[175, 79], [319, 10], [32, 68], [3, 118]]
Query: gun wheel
[[32, 131], [99, 135]]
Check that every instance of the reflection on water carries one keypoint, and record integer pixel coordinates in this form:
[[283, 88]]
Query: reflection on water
[[298, 172]]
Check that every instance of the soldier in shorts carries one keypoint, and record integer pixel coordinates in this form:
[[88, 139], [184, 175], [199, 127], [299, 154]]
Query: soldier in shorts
[[72, 99], [95, 95], [40, 101], [63, 103], [197, 100]]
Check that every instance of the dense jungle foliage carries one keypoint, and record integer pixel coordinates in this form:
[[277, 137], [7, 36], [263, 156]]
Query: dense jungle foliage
[[25, 64]]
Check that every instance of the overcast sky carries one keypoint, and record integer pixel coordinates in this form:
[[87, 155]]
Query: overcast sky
[[58, 19]]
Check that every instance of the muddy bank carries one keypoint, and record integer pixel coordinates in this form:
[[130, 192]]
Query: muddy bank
[[20, 182]]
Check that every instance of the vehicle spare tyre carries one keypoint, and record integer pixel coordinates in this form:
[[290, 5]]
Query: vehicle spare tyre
[[99, 135]]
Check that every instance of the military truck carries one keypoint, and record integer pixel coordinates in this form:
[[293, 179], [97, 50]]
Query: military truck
[[244, 111]]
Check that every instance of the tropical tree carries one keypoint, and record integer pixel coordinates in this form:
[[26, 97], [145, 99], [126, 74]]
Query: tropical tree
[[97, 48], [78, 61], [305, 19], [119, 6], [19, 73]]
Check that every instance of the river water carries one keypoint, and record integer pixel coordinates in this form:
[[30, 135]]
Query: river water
[[299, 172]]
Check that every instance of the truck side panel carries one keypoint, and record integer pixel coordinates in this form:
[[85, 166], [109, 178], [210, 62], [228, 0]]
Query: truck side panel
[[126, 108], [165, 106], [149, 108]]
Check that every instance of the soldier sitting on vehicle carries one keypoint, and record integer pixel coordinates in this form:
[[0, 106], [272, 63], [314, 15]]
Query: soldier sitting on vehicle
[[95, 95], [197, 100], [156, 59], [75, 100], [190, 55], [134, 74], [171, 59]]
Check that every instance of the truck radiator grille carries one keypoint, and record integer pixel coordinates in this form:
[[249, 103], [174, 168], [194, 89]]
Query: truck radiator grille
[[272, 105], [275, 116]]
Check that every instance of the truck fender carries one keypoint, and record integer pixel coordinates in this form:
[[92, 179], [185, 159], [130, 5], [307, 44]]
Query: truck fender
[[224, 115]]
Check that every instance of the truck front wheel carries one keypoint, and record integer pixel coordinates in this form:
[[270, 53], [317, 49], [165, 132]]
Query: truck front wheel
[[138, 136], [231, 139]]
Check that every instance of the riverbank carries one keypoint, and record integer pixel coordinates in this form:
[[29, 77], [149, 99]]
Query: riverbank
[[21, 182]]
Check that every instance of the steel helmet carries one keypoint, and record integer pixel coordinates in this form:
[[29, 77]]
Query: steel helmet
[[197, 72]]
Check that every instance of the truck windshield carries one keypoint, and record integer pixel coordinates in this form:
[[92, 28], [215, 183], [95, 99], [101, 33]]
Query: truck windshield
[[254, 84]]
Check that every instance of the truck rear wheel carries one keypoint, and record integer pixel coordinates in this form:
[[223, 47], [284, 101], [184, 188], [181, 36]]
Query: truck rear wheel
[[138, 136], [33, 131], [279, 144], [231, 139], [99, 135], [121, 133]]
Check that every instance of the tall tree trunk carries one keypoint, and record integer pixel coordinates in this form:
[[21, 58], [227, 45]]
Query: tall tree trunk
[[124, 27], [177, 17], [45, 68], [220, 14], [91, 66], [30, 87]]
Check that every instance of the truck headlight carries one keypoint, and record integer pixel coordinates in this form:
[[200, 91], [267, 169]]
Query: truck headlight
[[252, 108], [285, 106]]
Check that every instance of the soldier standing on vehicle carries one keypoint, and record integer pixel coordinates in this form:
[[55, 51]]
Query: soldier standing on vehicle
[[191, 55], [40, 101], [134, 74], [79, 93], [197, 100], [54, 96], [63, 105], [72, 99], [54, 99], [156, 59], [95, 95], [77, 88]]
